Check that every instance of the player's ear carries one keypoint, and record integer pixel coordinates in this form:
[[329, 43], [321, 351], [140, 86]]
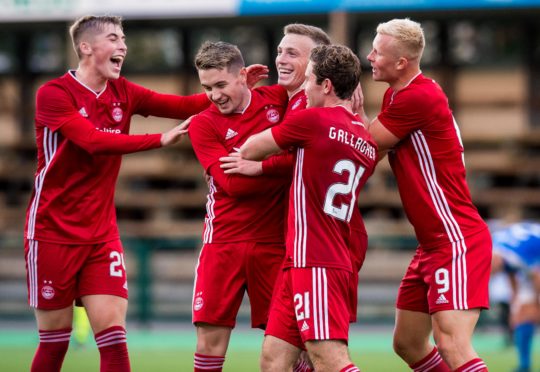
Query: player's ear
[[243, 74], [327, 86], [85, 48], [402, 63]]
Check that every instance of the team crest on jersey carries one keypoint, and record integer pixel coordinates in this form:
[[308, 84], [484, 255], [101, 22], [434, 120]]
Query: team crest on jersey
[[47, 291], [117, 114], [272, 115], [198, 303]]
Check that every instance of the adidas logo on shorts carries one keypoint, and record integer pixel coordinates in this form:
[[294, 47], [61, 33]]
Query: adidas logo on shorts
[[441, 300], [305, 327]]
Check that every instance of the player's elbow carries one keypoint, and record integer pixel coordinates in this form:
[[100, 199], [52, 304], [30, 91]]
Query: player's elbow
[[252, 153]]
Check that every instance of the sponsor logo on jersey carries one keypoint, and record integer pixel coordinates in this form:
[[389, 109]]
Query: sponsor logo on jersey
[[272, 115], [47, 291], [230, 134], [305, 327], [83, 112], [110, 130], [441, 300], [296, 104], [117, 114]]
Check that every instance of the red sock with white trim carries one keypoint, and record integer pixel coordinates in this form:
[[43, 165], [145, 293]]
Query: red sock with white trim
[[433, 362], [112, 346], [208, 363], [350, 368], [51, 350], [474, 365]]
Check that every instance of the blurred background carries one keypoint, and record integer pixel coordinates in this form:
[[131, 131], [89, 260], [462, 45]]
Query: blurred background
[[484, 53]]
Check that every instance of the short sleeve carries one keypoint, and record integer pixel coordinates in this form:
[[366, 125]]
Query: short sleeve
[[406, 113], [296, 130]]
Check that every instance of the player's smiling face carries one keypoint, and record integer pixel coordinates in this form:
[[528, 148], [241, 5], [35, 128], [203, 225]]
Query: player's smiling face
[[292, 59], [384, 59], [106, 51], [226, 89]]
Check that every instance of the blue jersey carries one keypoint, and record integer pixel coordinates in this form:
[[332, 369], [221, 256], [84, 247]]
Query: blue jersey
[[519, 244]]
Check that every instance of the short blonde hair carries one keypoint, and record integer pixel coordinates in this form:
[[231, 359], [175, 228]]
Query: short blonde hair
[[408, 34]]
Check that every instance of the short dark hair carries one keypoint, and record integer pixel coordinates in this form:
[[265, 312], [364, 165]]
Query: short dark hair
[[219, 55], [338, 64], [316, 34], [90, 23]]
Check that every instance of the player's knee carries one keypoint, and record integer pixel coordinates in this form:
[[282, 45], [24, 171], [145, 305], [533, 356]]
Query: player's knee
[[271, 362], [403, 344], [449, 346]]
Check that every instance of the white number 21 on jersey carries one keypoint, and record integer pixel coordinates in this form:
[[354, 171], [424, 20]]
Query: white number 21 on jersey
[[343, 212]]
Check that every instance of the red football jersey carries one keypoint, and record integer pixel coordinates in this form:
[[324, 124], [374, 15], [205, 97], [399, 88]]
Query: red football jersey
[[80, 136], [335, 155], [428, 163], [240, 208]]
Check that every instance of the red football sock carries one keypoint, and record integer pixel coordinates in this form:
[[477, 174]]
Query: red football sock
[[51, 350], [208, 363], [113, 351], [350, 368], [475, 365], [433, 362]]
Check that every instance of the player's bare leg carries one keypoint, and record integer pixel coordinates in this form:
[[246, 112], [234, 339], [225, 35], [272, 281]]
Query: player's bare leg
[[411, 335], [329, 355], [212, 344], [105, 311], [54, 332], [212, 340], [452, 331], [48, 320], [107, 316], [278, 355]]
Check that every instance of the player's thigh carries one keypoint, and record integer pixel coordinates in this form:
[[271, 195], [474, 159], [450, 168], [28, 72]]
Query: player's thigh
[[458, 325], [52, 273], [412, 328], [104, 272], [50, 320], [220, 282], [105, 311]]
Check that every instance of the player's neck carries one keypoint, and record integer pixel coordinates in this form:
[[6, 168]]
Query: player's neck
[[405, 79], [291, 93], [336, 101], [92, 81]]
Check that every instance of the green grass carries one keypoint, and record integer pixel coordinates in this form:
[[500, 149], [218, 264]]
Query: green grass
[[172, 350]]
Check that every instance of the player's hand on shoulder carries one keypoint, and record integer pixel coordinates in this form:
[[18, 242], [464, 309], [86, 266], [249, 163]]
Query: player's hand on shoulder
[[175, 134], [235, 164], [256, 73]]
